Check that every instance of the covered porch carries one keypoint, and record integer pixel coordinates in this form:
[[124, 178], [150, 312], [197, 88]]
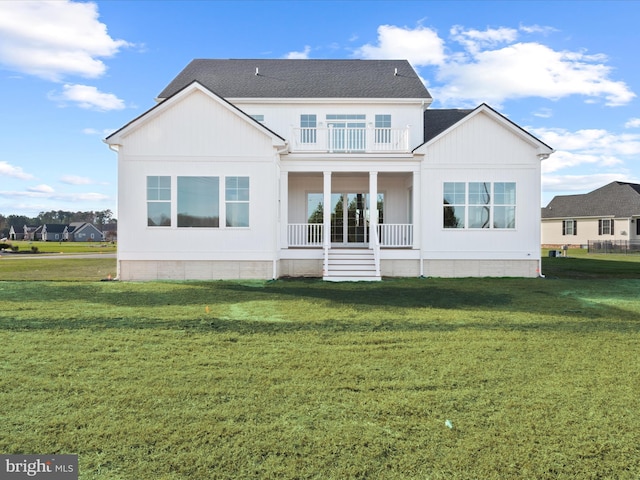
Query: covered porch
[[367, 211]]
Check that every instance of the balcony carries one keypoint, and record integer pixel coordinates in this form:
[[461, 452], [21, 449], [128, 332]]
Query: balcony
[[350, 140]]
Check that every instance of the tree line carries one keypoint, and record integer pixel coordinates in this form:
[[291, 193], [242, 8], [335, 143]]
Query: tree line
[[97, 218]]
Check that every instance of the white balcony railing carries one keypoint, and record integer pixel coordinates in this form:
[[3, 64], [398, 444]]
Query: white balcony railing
[[350, 140], [311, 235]]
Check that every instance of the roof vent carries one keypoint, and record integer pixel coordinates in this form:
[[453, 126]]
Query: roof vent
[[395, 73], [257, 72]]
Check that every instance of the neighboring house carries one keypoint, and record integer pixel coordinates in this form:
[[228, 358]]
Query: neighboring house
[[328, 168], [110, 232], [84, 232], [611, 212], [16, 233], [54, 232], [32, 233]]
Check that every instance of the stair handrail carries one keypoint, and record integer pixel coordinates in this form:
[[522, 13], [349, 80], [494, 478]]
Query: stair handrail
[[376, 249]]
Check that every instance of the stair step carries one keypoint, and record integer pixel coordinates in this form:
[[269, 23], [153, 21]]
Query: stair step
[[351, 265]]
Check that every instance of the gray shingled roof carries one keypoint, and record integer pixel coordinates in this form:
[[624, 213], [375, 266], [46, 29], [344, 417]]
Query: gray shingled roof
[[437, 121], [237, 78], [618, 199]]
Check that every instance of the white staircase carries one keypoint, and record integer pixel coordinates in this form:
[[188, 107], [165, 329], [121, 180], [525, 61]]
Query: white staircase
[[351, 265]]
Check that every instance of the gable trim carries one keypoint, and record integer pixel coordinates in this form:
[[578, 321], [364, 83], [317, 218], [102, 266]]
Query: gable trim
[[544, 149], [115, 138]]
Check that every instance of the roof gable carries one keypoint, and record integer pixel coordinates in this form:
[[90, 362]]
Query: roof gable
[[617, 199], [447, 120], [116, 137], [284, 78]]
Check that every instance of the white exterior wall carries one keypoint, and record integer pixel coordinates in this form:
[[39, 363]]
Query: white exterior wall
[[281, 117], [196, 136], [481, 149]]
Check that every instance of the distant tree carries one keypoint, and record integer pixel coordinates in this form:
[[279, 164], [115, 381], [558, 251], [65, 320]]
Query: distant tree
[[103, 217]]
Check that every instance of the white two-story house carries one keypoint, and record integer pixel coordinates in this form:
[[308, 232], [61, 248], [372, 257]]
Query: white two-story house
[[326, 168]]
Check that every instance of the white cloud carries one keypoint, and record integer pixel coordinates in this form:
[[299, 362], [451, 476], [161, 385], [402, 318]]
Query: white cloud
[[9, 170], [88, 97], [567, 184], [528, 70], [105, 132], [53, 39], [76, 180], [41, 189], [41, 192], [632, 123], [543, 113], [474, 40], [421, 46], [299, 55], [590, 141], [537, 29]]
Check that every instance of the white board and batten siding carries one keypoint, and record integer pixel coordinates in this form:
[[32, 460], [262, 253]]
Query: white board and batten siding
[[196, 135], [482, 149]]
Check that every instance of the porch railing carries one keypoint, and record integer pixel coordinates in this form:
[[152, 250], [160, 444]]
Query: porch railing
[[349, 140], [395, 234], [311, 234], [305, 234]]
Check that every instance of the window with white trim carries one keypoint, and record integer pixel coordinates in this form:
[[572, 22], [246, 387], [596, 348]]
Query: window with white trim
[[158, 201], [605, 226], [237, 201], [479, 205], [569, 227], [198, 202]]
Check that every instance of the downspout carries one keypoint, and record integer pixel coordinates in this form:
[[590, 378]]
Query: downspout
[[114, 148], [274, 266]]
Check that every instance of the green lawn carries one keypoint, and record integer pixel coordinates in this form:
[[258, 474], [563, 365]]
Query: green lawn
[[64, 247], [304, 379]]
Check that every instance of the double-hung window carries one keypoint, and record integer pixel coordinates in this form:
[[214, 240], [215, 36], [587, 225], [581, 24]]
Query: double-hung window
[[158, 201], [479, 205], [569, 227], [605, 226], [237, 201]]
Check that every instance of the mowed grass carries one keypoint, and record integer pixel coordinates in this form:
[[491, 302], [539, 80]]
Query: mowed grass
[[64, 247], [539, 378]]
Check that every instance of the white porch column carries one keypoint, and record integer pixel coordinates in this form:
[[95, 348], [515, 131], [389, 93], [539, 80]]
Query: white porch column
[[283, 212], [373, 205], [416, 216], [326, 220]]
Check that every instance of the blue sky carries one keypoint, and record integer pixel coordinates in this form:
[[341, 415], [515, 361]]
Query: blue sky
[[72, 72]]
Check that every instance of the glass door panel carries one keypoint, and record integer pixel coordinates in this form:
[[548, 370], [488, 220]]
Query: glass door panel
[[357, 218]]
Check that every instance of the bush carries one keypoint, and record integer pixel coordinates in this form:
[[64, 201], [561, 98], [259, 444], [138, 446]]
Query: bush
[[34, 249], [15, 248], [5, 246]]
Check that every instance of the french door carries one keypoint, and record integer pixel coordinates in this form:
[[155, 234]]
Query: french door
[[349, 216]]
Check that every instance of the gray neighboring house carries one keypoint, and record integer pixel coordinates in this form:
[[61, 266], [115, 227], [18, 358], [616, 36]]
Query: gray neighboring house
[[609, 213], [54, 232], [84, 232]]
